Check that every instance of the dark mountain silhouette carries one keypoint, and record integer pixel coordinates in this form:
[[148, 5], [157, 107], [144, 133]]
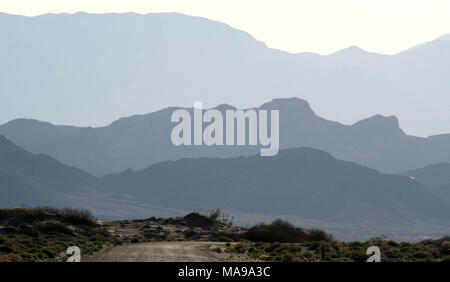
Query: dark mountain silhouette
[[87, 69], [138, 141], [299, 182], [39, 180]]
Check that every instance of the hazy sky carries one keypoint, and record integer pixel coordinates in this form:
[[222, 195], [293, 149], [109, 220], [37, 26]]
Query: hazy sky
[[322, 26]]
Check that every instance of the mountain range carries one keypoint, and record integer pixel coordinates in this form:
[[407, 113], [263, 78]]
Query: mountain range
[[303, 184], [90, 69], [141, 140], [33, 180], [347, 166]]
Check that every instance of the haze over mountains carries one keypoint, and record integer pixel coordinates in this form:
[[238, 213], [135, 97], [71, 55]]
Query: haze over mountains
[[138, 141], [302, 184], [437, 177], [39, 180], [87, 69]]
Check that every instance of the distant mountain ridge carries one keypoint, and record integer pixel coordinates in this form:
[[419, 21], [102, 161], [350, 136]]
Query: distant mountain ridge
[[90, 69], [298, 182], [436, 177], [38, 180], [432, 175], [302, 184], [138, 141]]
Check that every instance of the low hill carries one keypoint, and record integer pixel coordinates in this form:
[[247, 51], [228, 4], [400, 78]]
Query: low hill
[[301, 182], [28, 179]]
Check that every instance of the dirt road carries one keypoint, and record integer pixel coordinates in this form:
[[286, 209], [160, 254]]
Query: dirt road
[[159, 251]]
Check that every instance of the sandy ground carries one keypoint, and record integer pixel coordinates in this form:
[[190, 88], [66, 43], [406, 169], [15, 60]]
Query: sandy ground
[[159, 252]]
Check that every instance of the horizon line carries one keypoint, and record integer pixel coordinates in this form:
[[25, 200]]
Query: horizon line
[[229, 25]]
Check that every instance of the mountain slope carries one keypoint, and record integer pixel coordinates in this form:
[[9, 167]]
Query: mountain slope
[[437, 177], [299, 182], [39, 180], [432, 175], [138, 141], [87, 69]]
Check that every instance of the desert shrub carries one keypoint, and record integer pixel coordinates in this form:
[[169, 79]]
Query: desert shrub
[[54, 228], [420, 255], [392, 243], [355, 244], [319, 235], [6, 248], [222, 238], [358, 256], [277, 231], [284, 232], [19, 216], [272, 247], [49, 253], [314, 246], [240, 249], [217, 215], [27, 230], [287, 257], [77, 216], [444, 249]]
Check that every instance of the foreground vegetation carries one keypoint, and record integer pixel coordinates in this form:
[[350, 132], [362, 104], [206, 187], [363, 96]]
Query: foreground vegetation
[[44, 234], [283, 242]]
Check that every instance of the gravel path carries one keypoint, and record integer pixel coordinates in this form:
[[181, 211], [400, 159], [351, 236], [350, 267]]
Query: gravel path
[[158, 251]]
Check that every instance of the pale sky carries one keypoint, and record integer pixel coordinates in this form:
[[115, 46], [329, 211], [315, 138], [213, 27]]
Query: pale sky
[[321, 26]]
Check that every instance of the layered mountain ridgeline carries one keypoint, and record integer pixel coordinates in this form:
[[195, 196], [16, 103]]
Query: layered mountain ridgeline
[[38, 179], [27, 179], [304, 184], [437, 177], [301, 182], [138, 141], [121, 64]]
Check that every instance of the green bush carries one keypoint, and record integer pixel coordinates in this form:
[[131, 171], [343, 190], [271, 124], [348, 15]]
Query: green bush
[[77, 216], [284, 232], [319, 235], [54, 228], [420, 255], [358, 256], [287, 258], [6, 248]]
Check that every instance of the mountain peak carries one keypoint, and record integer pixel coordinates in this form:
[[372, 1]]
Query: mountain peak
[[352, 50], [379, 123], [224, 107], [289, 104]]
